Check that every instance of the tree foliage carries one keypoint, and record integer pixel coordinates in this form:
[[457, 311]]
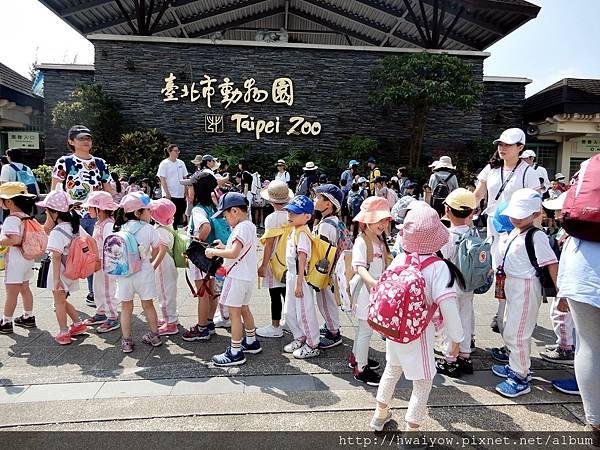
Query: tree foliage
[[420, 82], [139, 153]]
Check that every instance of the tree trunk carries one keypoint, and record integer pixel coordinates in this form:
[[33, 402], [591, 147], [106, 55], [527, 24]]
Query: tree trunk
[[417, 124]]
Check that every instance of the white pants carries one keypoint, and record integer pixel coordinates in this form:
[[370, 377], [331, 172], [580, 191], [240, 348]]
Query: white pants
[[166, 284], [496, 259], [523, 300], [464, 301], [300, 313], [417, 406], [105, 288], [329, 309], [361, 343], [562, 324]]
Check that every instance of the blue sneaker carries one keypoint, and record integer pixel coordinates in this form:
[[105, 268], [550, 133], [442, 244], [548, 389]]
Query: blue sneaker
[[500, 354], [323, 329], [229, 359], [513, 386], [211, 327], [567, 386], [253, 348], [505, 371], [330, 340]]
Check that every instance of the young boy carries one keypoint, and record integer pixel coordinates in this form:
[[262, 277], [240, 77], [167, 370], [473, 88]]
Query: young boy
[[240, 264], [328, 202], [523, 290], [459, 208], [299, 308]]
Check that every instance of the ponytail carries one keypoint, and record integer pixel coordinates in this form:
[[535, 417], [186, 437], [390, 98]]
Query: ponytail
[[69, 216], [121, 218], [455, 273]]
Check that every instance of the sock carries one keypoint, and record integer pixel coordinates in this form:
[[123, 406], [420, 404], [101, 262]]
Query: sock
[[236, 347], [76, 323], [250, 336], [209, 320], [463, 355], [381, 413], [202, 327], [27, 314], [64, 330], [6, 319]]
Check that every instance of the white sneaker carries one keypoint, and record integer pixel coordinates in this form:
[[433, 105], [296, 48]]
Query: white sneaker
[[378, 424], [306, 352], [222, 323], [293, 346], [269, 331], [284, 327]]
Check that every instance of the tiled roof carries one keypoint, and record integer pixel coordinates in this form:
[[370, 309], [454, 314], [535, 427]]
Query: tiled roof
[[570, 95], [12, 80]]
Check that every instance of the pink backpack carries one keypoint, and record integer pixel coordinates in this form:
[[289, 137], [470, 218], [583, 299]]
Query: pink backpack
[[398, 308], [82, 260], [34, 239]]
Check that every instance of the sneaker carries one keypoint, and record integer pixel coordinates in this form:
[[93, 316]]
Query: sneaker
[[465, 365], [323, 329], [222, 323], [89, 300], [211, 327], [168, 329], [63, 338], [513, 387], [25, 323], [551, 347], [500, 354], [378, 424], [505, 371], [269, 331], [293, 346], [330, 340], [6, 328], [284, 327], [160, 323], [253, 348], [196, 333], [109, 325], [494, 325], [560, 356], [77, 330], [229, 359], [448, 368], [371, 363], [95, 320], [127, 345], [567, 386], [367, 376], [305, 352], [152, 339]]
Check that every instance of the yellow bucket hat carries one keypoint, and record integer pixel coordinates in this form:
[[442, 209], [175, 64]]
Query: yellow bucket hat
[[14, 189]]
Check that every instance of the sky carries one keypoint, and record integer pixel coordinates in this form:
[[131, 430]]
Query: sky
[[561, 42]]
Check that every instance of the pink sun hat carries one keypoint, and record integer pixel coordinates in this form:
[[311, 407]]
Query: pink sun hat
[[423, 232], [101, 200], [163, 211], [373, 209], [56, 200], [134, 201]]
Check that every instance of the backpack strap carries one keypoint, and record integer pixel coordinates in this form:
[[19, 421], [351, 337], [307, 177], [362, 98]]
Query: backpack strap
[[15, 168], [66, 234], [236, 263], [370, 249], [525, 173], [448, 179], [531, 249], [429, 261]]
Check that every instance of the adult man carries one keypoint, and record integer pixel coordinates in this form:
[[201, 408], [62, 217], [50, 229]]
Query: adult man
[[374, 172], [80, 173], [529, 157], [17, 171], [171, 171], [348, 176]]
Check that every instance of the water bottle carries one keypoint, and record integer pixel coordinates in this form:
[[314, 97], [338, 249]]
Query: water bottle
[[219, 280], [500, 279]]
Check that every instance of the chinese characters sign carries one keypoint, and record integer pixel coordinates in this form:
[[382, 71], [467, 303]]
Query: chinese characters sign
[[229, 95], [23, 139]]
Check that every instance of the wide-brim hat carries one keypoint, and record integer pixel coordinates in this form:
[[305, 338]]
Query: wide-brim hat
[[163, 211], [372, 210], [13, 189], [56, 200], [445, 162], [197, 160], [310, 166], [277, 192], [423, 232], [101, 200]]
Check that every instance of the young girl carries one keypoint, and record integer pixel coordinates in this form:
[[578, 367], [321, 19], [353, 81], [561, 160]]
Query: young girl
[[100, 205], [423, 234], [165, 272], [18, 270], [370, 255], [64, 223], [133, 216]]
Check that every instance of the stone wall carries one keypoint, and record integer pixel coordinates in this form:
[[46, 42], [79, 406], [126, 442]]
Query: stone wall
[[502, 107]]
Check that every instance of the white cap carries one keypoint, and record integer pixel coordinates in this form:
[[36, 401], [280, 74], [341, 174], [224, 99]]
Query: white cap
[[523, 203], [434, 164], [556, 203], [559, 176], [527, 154], [511, 136]]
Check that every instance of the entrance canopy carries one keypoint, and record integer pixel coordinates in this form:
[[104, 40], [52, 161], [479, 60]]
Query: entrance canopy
[[431, 24]]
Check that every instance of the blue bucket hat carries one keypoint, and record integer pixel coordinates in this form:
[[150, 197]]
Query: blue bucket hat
[[333, 193], [229, 200], [352, 162], [300, 204]]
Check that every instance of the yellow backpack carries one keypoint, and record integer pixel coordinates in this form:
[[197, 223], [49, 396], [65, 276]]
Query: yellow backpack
[[322, 259], [277, 261]]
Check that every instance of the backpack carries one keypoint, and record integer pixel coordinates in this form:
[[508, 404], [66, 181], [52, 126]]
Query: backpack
[[180, 245], [548, 287], [355, 200], [25, 176], [322, 260], [398, 308], [303, 186], [441, 191], [219, 228], [82, 260], [581, 211], [391, 197], [344, 240], [34, 239], [474, 260], [255, 188], [277, 263], [121, 253]]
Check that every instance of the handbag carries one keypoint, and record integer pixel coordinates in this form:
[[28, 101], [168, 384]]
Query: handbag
[[45, 263], [196, 253]]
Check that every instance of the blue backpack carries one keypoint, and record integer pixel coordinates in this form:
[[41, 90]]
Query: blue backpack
[[219, 228], [121, 253], [25, 176], [355, 200], [474, 260]]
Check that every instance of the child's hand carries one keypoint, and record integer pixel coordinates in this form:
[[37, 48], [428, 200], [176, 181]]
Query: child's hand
[[371, 283], [455, 350], [298, 292], [563, 305], [209, 252], [262, 271], [218, 244]]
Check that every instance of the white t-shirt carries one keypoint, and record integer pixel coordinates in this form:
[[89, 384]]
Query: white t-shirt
[[523, 177], [18, 269], [165, 237], [542, 174], [60, 243], [329, 230], [276, 219], [283, 176], [101, 230], [199, 217], [291, 252], [360, 308], [244, 266], [517, 262], [173, 172]]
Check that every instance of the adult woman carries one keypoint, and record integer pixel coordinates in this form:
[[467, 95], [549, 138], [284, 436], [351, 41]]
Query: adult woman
[[118, 187], [503, 176], [282, 174]]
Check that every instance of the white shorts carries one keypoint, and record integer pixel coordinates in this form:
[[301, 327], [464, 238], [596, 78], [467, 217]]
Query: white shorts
[[17, 269], [140, 283], [236, 293]]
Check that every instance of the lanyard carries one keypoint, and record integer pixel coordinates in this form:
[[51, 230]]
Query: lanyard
[[509, 244], [505, 183]]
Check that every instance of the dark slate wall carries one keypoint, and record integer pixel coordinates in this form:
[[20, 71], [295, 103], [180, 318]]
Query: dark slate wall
[[502, 107], [331, 86], [58, 85]]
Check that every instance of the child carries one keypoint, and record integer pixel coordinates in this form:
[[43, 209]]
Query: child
[[64, 223], [364, 186], [423, 234], [522, 289], [328, 202], [278, 195], [299, 309], [240, 264], [134, 216], [101, 206], [18, 270], [132, 185], [165, 272], [373, 220], [459, 207]]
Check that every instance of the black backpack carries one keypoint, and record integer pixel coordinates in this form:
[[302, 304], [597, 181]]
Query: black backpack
[[548, 287], [439, 194]]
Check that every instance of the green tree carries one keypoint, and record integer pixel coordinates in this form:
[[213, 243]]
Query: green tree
[[420, 82], [139, 153]]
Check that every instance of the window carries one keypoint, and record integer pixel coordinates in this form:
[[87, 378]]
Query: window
[[547, 156], [574, 166]]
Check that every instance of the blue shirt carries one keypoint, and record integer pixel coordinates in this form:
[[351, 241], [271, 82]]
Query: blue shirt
[[579, 271]]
